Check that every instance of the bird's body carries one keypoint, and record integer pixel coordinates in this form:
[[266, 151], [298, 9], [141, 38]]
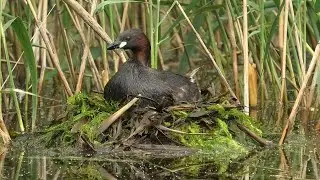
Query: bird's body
[[135, 77]]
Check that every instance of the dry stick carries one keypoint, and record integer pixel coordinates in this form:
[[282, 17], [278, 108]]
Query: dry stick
[[111, 119], [262, 141], [225, 82], [290, 120], [91, 22], [245, 58], [52, 53], [234, 51], [43, 52]]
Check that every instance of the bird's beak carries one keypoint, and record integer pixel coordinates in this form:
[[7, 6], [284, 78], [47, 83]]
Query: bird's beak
[[117, 45]]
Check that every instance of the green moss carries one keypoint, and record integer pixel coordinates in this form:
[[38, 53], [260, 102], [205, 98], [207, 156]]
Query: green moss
[[180, 114], [218, 146], [245, 120], [89, 172], [235, 114], [93, 109], [218, 139], [90, 128], [217, 107]]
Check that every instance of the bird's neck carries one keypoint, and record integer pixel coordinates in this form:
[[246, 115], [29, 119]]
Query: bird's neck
[[143, 56]]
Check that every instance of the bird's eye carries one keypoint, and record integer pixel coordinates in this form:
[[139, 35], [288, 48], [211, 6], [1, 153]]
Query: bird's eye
[[128, 38]]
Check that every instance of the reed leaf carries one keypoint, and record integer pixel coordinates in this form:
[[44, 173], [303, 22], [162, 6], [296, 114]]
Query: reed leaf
[[30, 62]]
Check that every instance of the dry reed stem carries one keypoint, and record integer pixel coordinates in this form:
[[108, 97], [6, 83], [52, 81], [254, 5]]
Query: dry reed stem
[[65, 40], [91, 22], [143, 17], [14, 66], [43, 52], [105, 77], [253, 85], [299, 46], [245, 58], [36, 35], [124, 16], [160, 59], [290, 120], [95, 73], [86, 52], [283, 50], [4, 131], [283, 166], [111, 119], [311, 93], [284, 53], [103, 44], [51, 51], [117, 14], [224, 80], [280, 30], [82, 66], [234, 51]]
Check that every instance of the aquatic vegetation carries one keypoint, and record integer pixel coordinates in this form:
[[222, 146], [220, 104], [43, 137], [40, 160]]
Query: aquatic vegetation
[[84, 115], [209, 132], [216, 141]]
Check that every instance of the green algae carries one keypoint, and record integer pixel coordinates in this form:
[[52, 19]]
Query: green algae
[[217, 141], [92, 109], [90, 171]]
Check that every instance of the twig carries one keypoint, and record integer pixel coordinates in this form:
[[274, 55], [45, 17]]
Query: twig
[[111, 119], [262, 141]]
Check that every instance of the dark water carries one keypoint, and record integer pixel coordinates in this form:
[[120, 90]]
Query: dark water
[[296, 160]]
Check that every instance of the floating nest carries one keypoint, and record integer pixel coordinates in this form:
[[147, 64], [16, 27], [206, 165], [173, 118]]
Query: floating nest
[[216, 127]]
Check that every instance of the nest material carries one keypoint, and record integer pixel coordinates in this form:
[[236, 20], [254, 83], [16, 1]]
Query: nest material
[[202, 126]]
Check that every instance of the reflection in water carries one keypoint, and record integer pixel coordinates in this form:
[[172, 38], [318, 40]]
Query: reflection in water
[[294, 160]]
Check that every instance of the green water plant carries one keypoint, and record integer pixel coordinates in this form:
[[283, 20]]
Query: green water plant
[[84, 115]]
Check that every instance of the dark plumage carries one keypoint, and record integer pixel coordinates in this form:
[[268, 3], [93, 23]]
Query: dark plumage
[[158, 88]]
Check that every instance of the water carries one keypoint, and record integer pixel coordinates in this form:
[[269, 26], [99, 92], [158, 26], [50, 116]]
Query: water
[[296, 160]]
